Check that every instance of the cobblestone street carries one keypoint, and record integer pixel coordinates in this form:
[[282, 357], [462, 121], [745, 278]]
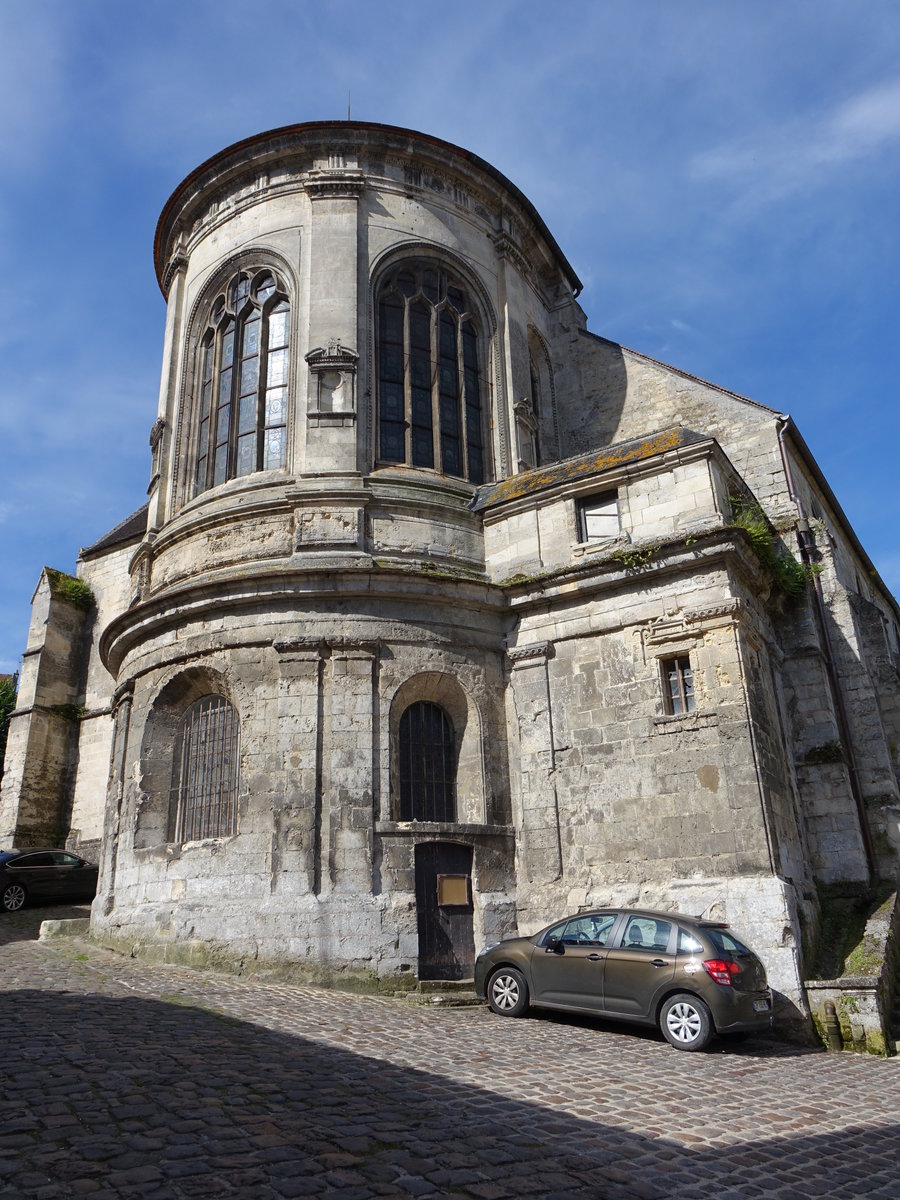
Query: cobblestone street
[[125, 1080]]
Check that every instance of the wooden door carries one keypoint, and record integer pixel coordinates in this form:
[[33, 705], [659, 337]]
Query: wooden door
[[444, 910]]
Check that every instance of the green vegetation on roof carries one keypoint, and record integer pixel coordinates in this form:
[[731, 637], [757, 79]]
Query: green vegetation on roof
[[66, 587]]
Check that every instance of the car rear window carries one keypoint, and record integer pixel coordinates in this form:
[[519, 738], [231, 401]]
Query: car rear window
[[726, 943], [688, 944]]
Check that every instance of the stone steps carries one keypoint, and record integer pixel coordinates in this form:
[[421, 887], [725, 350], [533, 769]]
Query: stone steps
[[448, 993]]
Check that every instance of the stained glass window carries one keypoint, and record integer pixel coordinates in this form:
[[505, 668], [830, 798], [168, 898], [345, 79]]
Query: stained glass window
[[243, 378], [430, 409]]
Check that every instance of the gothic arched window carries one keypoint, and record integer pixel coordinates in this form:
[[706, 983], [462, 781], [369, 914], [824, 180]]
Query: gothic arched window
[[205, 772], [243, 375], [427, 764], [430, 411]]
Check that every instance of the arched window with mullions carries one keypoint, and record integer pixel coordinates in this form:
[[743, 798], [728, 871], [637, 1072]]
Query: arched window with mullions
[[205, 771], [426, 762], [430, 408], [243, 374]]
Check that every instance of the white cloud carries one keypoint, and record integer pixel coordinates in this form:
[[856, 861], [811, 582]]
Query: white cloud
[[803, 153]]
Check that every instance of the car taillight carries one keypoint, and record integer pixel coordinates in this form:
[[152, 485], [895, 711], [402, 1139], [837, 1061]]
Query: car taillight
[[721, 971]]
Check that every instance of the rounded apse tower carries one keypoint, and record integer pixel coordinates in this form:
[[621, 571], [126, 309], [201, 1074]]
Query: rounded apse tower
[[310, 762]]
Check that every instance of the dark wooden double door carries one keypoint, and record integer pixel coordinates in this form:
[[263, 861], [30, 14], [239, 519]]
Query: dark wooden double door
[[444, 910]]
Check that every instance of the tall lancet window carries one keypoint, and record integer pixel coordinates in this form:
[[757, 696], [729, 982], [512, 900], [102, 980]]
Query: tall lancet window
[[430, 409], [243, 376]]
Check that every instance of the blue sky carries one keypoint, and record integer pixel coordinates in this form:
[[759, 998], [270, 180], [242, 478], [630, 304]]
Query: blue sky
[[723, 177]]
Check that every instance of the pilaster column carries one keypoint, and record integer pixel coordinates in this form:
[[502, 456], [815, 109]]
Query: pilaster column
[[298, 822], [331, 435], [115, 790], [349, 763], [538, 838]]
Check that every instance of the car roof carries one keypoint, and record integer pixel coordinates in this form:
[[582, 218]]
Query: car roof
[[656, 914], [20, 850]]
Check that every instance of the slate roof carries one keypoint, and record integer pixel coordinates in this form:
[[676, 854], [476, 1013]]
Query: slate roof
[[130, 530]]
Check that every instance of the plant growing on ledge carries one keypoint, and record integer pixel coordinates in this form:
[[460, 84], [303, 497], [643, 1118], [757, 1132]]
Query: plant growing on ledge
[[634, 558], [66, 587], [791, 577]]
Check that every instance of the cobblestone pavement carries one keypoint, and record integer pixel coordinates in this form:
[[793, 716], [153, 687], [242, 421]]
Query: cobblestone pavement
[[121, 1079]]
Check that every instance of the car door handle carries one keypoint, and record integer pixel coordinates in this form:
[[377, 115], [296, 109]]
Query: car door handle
[[595, 958], [658, 962]]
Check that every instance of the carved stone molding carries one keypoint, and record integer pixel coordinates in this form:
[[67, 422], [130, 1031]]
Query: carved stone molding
[[334, 185], [123, 694], [178, 262], [507, 248], [312, 646], [691, 623], [156, 432], [334, 369], [339, 527], [530, 656]]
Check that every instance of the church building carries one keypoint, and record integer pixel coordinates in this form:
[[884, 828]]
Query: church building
[[446, 616]]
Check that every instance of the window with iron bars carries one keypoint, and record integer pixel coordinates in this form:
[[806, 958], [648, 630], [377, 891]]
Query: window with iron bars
[[427, 764], [205, 772]]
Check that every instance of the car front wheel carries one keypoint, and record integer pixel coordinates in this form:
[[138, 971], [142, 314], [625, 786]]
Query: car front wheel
[[13, 897], [508, 992], [686, 1023]]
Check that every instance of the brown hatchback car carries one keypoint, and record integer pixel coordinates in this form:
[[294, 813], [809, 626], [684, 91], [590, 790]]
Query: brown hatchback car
[[692, 978]]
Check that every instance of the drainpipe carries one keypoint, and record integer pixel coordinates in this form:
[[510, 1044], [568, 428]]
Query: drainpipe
[[806, 542]]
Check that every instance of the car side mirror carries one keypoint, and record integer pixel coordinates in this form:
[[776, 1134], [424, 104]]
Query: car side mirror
[[553, 945]]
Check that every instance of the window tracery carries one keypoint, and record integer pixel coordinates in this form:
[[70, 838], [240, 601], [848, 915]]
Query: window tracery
[[430, 411], [243, 375]]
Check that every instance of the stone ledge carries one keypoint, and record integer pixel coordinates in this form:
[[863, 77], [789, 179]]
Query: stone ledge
[[72, 927], [444, 828], [683, 724]]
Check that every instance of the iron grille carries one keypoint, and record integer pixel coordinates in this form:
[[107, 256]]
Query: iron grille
[[206, 759]]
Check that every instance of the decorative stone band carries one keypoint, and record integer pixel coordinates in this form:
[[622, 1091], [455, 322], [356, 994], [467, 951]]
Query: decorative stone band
[[530, 656], [314, 645]]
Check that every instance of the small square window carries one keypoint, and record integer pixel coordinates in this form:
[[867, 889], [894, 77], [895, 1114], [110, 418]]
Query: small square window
[[678, 681], [598, 517]]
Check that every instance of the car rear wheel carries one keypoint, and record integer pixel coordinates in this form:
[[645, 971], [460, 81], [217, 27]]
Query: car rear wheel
[[686, 1023], [508, 993], [13, 897]]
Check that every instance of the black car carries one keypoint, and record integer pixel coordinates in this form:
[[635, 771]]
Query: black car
[[690, 977], [39, 874]]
